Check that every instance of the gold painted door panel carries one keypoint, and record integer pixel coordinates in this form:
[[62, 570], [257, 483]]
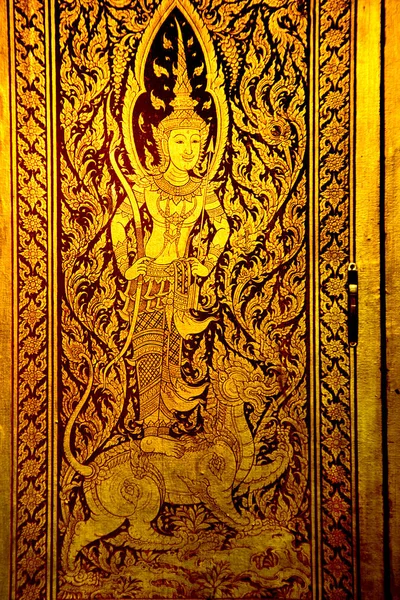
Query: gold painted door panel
[[182, 415]]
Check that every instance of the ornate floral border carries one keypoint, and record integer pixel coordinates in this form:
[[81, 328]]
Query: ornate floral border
[[31, 498], [334, 257], [31, 493]]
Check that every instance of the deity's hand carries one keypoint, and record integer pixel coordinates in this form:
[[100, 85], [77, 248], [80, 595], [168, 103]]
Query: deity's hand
[[198, 268], [139, 267]]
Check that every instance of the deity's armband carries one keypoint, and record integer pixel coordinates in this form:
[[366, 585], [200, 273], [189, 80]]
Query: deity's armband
[[139, 194], [214, 252], [214, 209], [121, 256], [217, 216]]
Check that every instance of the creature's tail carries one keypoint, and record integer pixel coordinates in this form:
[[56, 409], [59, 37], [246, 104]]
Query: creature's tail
[[80, 468], [263, 475]]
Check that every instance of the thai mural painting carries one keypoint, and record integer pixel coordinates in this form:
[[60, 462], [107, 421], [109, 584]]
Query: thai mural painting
[[186, 270]]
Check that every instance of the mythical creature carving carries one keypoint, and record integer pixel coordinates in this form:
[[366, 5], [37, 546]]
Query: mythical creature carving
[[129, 482]]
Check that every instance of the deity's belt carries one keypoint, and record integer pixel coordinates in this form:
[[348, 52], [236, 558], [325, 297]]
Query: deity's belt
[[163, 284], [167, 271]]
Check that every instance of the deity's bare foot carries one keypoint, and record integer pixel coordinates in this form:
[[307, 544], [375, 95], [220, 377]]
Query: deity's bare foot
[[162, 445]]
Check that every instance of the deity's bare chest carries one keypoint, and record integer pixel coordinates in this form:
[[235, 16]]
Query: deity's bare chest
[[170, 209]]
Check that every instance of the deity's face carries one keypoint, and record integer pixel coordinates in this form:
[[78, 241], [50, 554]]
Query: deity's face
[[184, 148]]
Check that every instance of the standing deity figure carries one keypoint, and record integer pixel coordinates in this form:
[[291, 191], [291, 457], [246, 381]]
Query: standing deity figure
[[163, 281]]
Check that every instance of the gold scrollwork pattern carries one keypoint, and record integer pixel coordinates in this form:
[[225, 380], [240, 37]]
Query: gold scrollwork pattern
[[32, 304], [334, 182], [256, 350], [260, 286]]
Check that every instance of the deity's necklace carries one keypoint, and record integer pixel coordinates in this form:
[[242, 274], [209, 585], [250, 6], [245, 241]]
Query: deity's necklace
[[181, 194]]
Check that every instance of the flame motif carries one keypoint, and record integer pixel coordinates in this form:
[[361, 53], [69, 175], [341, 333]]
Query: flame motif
[[183, 114], [182, 89]]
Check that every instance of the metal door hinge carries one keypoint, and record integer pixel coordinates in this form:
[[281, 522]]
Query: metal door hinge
[[352, 281]]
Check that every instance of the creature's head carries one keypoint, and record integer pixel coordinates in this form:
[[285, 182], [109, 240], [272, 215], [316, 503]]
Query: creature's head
[[236, 382]]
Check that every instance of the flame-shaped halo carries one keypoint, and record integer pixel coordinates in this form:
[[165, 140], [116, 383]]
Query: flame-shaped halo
[[214, 75]]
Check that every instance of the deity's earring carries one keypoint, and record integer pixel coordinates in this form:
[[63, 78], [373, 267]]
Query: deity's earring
[[164, 145]]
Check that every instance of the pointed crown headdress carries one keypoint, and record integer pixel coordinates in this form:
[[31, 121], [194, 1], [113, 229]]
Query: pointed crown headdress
[[183, 115]]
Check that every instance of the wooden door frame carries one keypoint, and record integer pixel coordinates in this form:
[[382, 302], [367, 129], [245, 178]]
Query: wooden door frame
[[390, 201], [378, 257], [367, 358]]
